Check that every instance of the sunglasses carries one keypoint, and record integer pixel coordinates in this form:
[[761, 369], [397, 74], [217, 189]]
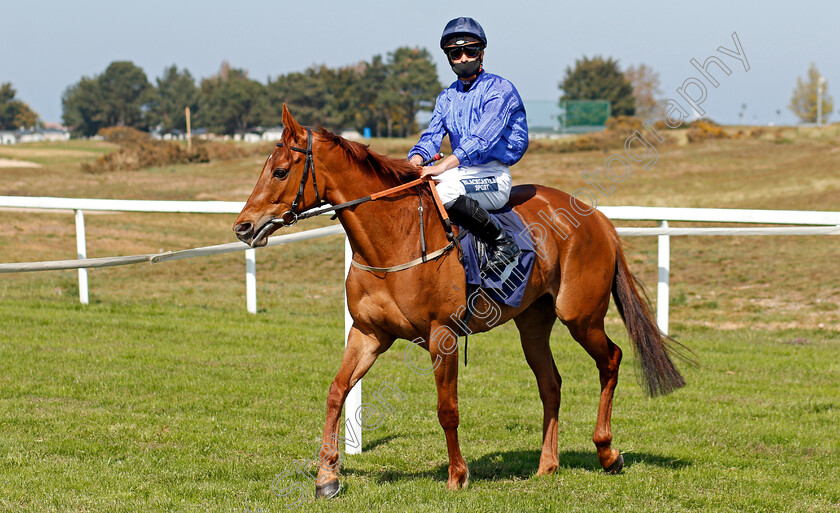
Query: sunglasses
[[455, 53]]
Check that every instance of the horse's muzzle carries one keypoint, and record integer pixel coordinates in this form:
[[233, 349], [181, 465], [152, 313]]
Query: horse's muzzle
[[254, 236], [244, 232]]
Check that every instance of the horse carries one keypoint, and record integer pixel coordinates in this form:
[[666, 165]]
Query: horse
[[580, 264]]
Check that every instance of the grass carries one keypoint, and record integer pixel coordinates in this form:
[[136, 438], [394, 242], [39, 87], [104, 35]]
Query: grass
[[146, 406], [56, 154], [163, 394]]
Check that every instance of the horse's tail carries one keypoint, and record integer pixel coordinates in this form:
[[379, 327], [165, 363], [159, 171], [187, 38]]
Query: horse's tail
[[653, 348]]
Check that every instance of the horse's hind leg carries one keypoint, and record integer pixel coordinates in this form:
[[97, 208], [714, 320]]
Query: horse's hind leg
[[581, 304], [534, 326], [589, 333]]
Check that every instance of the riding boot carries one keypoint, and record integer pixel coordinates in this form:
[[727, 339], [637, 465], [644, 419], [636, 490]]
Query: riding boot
[[466, 212]]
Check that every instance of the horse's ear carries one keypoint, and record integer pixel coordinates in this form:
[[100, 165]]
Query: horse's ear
[[289, 123]]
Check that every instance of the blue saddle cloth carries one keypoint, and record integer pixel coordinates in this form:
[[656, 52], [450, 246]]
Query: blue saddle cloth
[[507, 289]]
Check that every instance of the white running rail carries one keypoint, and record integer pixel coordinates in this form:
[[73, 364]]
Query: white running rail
[[815, 223]]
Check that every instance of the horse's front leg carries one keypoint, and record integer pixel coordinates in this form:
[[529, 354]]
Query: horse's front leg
[[362, 350], [444, 352]]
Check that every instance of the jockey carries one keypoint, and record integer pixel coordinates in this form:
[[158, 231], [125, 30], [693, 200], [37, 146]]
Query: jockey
[[485, 119]]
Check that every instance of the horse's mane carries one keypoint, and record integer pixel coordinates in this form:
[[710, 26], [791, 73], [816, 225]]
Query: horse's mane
[[390, 169]]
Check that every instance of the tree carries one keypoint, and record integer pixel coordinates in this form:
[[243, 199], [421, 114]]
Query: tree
[[117, 97], [82, 111], [318, 96], [803, 103], [389, 105], [343, 107], [175, 91], [412, 79], [305, 93], [13, 112], [371, 78], [646, 90], [228, 101], [124, 91], [379, 94], [599, 79]]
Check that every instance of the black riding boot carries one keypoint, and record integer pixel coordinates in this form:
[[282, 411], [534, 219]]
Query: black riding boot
[[466, 212]]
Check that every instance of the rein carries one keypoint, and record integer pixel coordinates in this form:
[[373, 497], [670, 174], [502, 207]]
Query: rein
[[309, 166]]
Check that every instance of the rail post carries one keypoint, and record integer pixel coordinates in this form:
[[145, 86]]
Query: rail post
[[664, 279], [354, 398], [251, 280], [81, 251]]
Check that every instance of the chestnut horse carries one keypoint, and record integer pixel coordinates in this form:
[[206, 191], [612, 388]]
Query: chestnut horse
[[580, 263]]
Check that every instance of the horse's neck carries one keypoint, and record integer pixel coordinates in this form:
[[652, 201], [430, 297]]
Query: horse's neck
[[386, 232]]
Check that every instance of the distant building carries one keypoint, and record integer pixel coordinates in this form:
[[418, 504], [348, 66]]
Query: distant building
[[176, 134], [7, 137], [36, 135], [273, 134], [203, 134], [55, 134], [30, 136], [248, 137]]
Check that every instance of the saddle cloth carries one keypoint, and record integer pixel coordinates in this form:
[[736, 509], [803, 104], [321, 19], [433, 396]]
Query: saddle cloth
[[507, 286]]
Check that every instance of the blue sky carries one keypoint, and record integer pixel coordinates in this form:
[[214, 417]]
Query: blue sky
[[49, 45]]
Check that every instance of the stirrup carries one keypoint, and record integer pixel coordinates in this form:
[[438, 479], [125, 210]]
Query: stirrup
[[501, 263], [490, 269]]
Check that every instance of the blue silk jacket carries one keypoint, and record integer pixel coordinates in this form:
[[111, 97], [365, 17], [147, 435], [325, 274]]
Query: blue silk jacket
[[485, 123]]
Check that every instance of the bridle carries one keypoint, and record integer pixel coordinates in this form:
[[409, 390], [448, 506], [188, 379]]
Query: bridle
[[308, 165], [292, 216]]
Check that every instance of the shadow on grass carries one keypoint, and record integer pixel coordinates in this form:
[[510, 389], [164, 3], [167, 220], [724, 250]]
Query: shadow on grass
[[497, 466], [373, 444]]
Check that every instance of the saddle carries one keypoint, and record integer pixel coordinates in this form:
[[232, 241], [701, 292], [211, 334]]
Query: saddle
[[504, 285]]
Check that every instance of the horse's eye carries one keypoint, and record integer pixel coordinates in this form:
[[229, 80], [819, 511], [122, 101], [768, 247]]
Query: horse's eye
[[281, 173]]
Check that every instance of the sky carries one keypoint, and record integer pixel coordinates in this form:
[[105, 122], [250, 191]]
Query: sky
[[48, 45]]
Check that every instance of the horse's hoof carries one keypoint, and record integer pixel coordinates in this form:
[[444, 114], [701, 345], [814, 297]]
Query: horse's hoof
[[616, 466], [328, 490], [459, 483]]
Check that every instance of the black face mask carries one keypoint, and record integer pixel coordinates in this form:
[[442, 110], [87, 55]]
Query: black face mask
[[466, 69]]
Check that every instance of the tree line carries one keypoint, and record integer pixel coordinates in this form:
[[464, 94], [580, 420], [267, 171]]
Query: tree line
[[383, 94]]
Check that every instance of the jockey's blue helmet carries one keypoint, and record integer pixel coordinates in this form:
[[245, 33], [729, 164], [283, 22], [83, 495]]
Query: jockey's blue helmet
[[461, 31]]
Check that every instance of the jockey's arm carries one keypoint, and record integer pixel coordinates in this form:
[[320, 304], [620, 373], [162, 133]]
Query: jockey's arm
[[446, 164]]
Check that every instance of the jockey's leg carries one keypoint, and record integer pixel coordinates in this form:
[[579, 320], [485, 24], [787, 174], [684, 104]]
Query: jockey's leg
[[467, 206], [466, 212]]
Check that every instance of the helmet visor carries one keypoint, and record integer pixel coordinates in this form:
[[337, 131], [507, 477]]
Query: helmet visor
[[461, 39]]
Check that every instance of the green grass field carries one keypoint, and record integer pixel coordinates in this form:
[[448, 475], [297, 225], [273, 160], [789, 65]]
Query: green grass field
[[163, 394]]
